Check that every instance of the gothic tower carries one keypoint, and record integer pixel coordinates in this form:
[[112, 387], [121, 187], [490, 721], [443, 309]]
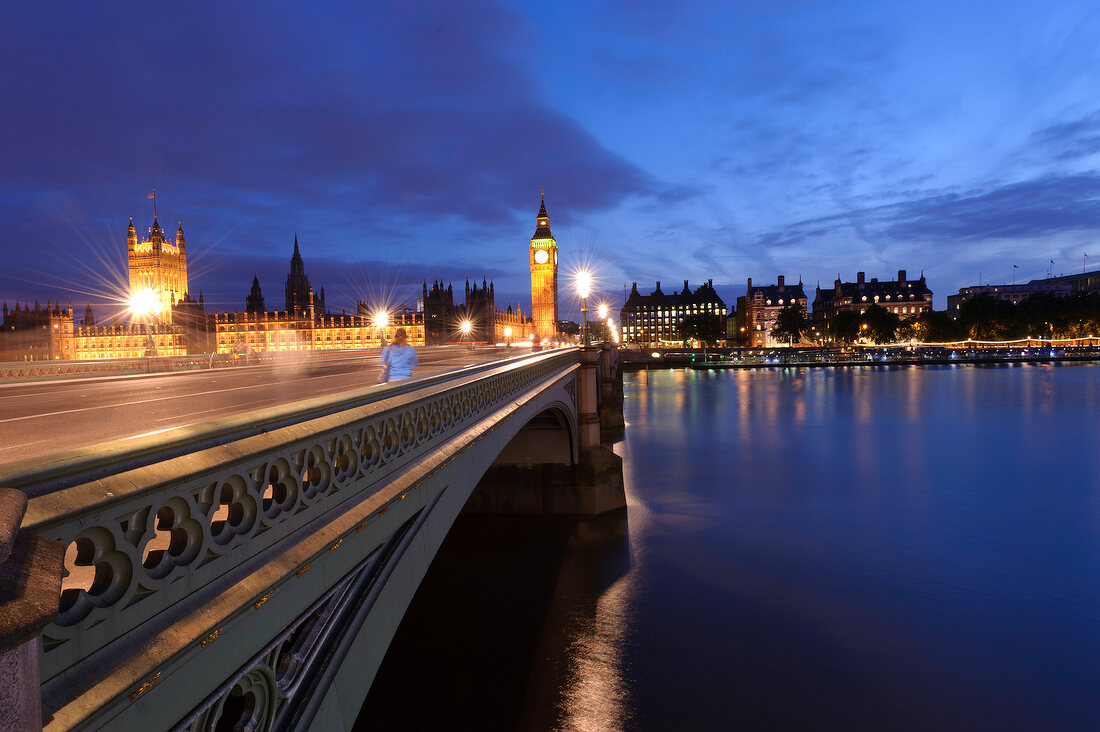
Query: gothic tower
[[544, 278], [299, 293], [158, 272]]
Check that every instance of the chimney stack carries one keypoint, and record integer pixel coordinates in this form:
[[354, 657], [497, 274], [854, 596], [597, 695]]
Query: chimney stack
[[780, 280], [901, 276], [859, 277]]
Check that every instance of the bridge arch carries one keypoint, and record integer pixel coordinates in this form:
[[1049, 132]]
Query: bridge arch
[[550, 437]]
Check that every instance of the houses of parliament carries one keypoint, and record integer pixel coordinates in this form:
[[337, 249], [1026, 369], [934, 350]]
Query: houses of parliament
[[163, 319]]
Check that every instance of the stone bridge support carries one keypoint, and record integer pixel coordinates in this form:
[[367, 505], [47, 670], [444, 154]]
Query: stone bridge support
[[529, 479]]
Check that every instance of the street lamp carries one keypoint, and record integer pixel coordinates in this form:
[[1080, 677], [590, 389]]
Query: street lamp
[[465, 327], [507, 336], [583, 281]]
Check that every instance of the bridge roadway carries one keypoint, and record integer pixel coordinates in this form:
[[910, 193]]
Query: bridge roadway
[[43, 417]]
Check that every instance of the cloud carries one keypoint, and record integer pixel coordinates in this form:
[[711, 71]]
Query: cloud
[[1040, 207], [1071, 140], [364, 122]]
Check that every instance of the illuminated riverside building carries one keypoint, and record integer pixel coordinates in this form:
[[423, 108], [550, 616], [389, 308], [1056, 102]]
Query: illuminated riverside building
[[657, 319], [164, 320], [279, 332], [761, 309], [543, 254], [903, 297]]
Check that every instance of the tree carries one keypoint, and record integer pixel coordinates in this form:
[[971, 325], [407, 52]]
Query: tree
[[931, 326], [790, 323], [846, 326], [707, 329], [882, 325]]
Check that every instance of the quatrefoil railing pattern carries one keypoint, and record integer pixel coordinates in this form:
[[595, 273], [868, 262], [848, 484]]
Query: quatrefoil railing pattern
[[133, 556]]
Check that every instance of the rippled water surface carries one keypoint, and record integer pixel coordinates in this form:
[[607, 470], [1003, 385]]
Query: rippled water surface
[[823, 548]]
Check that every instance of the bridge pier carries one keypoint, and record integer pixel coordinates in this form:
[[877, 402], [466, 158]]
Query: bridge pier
[[588, 417], [610, 402], [588, 484]]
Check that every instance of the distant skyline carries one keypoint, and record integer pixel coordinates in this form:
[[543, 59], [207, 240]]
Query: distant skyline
[[689, 140]]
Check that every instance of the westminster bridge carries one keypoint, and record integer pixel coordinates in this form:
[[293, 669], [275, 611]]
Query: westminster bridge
[[250, 573]]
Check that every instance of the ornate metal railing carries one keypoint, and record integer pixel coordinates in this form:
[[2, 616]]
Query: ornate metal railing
[[152, 533]]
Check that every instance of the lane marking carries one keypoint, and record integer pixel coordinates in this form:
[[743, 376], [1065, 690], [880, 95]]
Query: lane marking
[[22, 444], [157, 432]]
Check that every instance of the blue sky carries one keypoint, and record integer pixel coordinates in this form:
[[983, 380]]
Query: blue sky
[[687, 140]]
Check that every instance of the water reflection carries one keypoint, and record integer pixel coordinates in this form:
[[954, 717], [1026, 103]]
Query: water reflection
[[871, 548]]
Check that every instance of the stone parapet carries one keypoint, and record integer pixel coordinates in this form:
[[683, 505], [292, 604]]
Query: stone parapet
[[30, 583]]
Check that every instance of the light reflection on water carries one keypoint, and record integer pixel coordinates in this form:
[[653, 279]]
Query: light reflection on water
[[900, 547]]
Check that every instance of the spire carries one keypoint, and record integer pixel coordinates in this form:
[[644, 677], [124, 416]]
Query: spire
[[296, 254], [542, 222]]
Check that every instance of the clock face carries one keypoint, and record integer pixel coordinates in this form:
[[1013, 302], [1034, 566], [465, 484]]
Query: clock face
[[541, 256]]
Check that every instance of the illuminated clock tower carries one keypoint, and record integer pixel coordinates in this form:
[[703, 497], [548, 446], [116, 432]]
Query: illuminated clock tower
[[544, 278]]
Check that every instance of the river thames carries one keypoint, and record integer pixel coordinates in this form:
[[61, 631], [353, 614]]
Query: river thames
[[867, 547]]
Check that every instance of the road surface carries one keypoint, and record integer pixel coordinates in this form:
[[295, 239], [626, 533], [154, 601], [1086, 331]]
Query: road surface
[[44, 417]]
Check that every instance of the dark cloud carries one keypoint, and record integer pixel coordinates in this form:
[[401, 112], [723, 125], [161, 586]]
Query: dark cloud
[[1035, 208], [1071, 140], [364, 123]]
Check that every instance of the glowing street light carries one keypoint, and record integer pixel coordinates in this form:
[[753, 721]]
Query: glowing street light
[[508, 336], [602, 311], [584, 280], [381, 320], [466, 326]]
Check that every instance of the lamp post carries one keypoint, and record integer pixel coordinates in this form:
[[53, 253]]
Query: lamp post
[[465, 327], [583, 281], [507, 336]]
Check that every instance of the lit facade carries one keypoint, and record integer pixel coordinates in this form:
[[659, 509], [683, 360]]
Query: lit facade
[[132, 340], [544, 278], [762, 307], [657, 319], [280, 332], [903, 297], [158, 273]]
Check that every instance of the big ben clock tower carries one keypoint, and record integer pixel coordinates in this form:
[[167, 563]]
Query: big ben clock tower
[[544, 278]]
